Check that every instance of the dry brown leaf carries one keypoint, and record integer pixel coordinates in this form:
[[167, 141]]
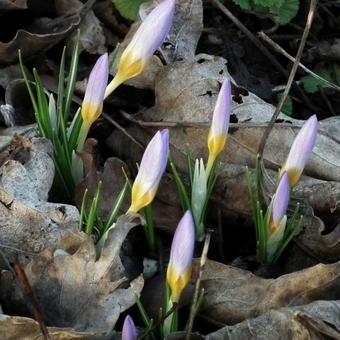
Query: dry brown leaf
[[25, 213], [43, 34], [287, 324], [17, 327], [12, 5], [80, 292], [233, 295]]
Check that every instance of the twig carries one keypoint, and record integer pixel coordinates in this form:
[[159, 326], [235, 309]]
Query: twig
[[119, 127], [279, 49], [261, 48], [198, 283], [295, 66], [26, 287], [163, 124]]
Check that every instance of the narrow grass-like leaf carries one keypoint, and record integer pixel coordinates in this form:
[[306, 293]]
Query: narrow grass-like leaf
[[82, 217], [148, 322], [183, 195], [74, 130], [117, 206], [93, 211], [72, 77], [150, 228]]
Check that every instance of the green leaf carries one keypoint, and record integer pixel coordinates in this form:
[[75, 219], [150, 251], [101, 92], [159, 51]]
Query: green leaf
[[312, 84], [287, 11], [128, 8], [287, 107], [244, 4], [268, 3]]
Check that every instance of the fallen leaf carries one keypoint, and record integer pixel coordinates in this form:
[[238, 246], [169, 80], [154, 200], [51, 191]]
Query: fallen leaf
[[233, 295], [43, 34], [17, 327], [25, 214], [12, 5], [78, 291], [286, 324]]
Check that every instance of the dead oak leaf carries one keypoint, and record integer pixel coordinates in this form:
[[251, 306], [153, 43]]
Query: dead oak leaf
[[79, 292]]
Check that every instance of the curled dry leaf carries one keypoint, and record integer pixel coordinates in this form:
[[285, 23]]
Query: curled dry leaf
[[81, 292], [17, 327], [44, 34], [233, 295], [26, 178], [12, 5], [318, 320]]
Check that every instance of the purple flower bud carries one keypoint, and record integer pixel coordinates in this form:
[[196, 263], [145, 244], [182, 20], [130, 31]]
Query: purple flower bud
[[280, 200], [182, 250], [129, 330], [148, 38], [94, 96], [150, 172], [301, 150], [220, 123]]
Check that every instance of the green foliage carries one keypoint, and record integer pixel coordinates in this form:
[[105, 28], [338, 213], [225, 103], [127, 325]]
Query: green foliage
[[329, 73], [287, 107], [283, 10], [53, 117], [128, 8], [90, 221]]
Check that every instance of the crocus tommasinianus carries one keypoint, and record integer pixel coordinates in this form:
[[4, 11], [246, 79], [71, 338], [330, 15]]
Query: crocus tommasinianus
[[301, 150], [278, 217], [182, 250], [148, 38], [129, 329], [150, 172], [220, 123], [93, 101]]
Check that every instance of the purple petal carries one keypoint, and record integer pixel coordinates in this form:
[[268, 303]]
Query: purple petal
[[281, 199], [183, 243], [154, 161], [302, 146], [221, 116], [153, 30], [129, 330], [97, 82]]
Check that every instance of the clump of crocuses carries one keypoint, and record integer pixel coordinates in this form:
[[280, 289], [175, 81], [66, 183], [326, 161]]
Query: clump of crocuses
[[204, 178], [274, 230]]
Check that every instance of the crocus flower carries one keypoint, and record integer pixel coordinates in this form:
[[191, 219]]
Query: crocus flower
[[220, 123], [182, 250], [129, 330], [301, 150], [148, 38], [150, 172], [93, 101], [278, 219]]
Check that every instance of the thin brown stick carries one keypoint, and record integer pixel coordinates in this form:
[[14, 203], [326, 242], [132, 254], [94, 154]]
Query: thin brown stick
[[197, 285], [119, 127], [279, 49], [295, 66], [26, 287], [262, 49]]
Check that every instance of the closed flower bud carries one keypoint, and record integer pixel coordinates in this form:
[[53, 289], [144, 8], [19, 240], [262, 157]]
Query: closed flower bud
[[220, 123], [129, 330], [278, 219], [301, 150], [93, 101], [150, 172], [148, 38], [182, 250]]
